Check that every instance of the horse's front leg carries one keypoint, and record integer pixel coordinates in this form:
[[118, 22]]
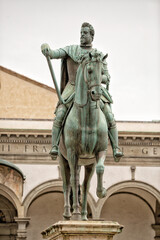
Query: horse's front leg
[[89, 170], [74, 179], [65, 172], [101, 191]]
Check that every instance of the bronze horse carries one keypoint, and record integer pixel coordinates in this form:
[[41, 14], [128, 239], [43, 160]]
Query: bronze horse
[[84, 138]]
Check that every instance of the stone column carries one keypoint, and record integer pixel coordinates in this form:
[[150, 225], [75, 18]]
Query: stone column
[[156, 228], [82, 230], [22, 225]]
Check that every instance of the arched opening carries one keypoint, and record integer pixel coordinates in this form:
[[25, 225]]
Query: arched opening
[[44, 211], [8, 226], [44, 205], [132, 204], [132, 212]]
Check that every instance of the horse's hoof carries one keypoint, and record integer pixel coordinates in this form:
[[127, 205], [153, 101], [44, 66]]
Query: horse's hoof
[[67, 216], [67, 213], [76, 216], [102, 193], [84, 218]]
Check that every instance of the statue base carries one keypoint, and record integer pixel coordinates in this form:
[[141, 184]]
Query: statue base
[[82, 230]]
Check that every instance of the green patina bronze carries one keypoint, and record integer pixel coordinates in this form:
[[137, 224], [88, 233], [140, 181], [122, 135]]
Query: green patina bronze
[[83, 118]]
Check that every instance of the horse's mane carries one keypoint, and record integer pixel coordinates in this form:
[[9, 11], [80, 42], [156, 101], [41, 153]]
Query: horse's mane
[[95, 55]]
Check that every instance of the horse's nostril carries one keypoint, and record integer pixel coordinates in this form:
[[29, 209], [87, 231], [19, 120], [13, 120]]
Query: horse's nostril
[[93, 92]]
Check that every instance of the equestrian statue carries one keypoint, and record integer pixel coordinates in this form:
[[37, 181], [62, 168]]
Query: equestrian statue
[[84, 119]]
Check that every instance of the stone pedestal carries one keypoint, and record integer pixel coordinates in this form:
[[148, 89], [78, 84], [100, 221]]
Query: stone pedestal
[[82, 230]]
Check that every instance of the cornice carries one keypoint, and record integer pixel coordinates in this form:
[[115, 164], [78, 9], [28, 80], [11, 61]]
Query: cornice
[[44, 136]]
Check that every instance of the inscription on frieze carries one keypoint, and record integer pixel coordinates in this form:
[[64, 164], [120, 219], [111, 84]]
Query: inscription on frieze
[[36, 148], [137, 151], [132, 151], [151, 151], [24, 149]]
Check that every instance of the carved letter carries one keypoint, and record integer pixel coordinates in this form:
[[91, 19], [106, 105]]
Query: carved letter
[[9, 147], [35, 149], [155, 151], [26, 148], [44, 149], [145, 150], [6, 148]]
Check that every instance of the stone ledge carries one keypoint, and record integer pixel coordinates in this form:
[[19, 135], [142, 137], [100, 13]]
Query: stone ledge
[[82, 230]]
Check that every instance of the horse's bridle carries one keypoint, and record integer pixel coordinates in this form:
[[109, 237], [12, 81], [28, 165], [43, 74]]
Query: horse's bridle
[[85, 78], [84, 63]]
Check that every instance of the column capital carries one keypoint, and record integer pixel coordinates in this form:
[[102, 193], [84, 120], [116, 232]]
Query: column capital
[[156, 228], [22, 225], [22, 219]]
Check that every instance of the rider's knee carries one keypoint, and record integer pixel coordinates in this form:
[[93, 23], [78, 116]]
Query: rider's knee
[[112, 124], [109, 116], [108, 112], [60, 114]]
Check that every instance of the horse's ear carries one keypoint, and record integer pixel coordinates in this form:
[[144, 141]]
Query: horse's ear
[[90, 55], [105, 56]]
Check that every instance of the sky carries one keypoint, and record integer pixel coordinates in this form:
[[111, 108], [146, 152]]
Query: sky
[[128, 30]]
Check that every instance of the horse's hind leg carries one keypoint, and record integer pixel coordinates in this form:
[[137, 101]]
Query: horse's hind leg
[[89, 170], [74, 170], [65, 172], [101, 191]]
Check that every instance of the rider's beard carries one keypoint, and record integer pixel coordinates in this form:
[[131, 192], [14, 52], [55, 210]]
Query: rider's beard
[[85, 42]]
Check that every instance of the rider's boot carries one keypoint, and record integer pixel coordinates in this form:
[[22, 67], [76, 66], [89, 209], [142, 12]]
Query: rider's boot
[[55, 138], [113, 136], [57, 125], [113, 133]]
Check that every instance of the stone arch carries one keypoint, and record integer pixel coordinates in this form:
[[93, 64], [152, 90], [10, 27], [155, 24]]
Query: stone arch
[[8, 213], [127, 184], [8, 209], [132, 211], [11, 196], [53, 185]]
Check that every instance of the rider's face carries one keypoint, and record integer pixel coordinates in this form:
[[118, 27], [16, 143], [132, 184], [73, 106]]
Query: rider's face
[[86, 37]]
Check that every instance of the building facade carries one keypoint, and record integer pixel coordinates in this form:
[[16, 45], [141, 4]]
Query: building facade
[[31, 195]]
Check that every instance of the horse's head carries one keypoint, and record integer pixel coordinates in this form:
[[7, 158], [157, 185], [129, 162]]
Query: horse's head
[[89, 77], [93, 73]]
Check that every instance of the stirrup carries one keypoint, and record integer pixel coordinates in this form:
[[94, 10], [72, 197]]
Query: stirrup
[[117, 154]]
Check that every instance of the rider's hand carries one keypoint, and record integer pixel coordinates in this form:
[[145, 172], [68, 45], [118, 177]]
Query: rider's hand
[[45, 49]]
